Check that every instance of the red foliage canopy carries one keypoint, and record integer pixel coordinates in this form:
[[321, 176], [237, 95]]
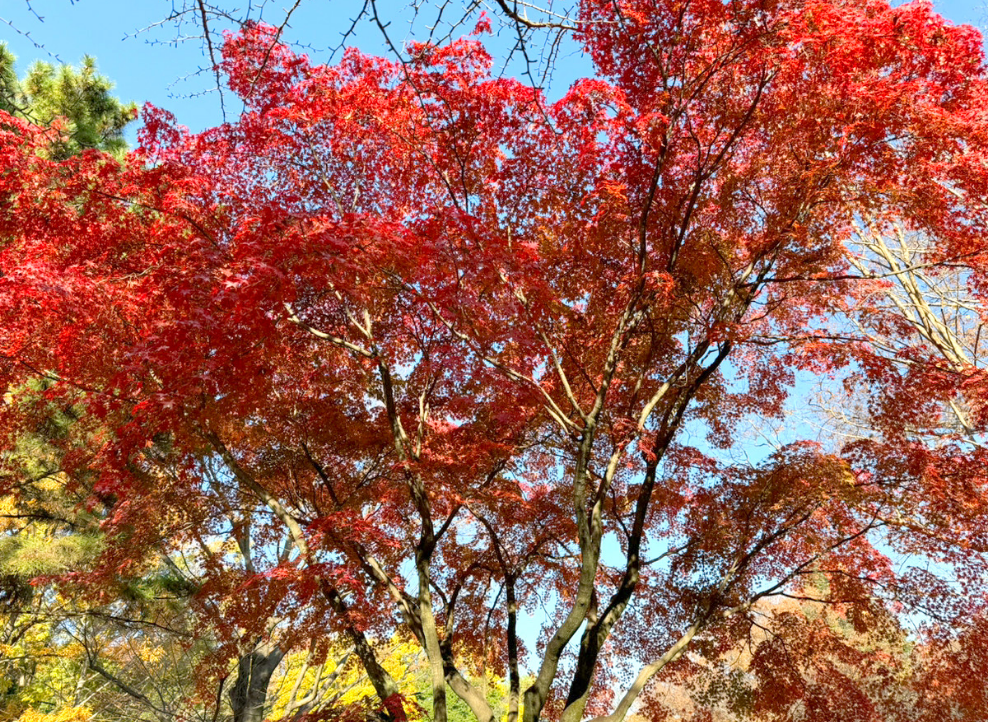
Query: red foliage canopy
[[455, 340]]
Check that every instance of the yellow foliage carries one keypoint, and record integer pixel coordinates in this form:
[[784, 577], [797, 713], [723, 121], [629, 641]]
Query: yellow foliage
[[73, 650], [349, 683], [69, 714], [151, 653], [51, 482]]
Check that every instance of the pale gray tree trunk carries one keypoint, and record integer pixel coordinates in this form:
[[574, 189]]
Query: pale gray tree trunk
[[253, 675]]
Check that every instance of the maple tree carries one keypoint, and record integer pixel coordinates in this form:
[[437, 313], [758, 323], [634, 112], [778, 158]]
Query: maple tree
[[435, 352]]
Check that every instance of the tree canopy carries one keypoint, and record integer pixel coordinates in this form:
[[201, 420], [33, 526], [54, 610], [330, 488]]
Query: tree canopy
[[408, 351]]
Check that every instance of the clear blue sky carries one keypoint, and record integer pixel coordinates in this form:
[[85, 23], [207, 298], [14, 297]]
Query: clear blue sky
[[152, 67]]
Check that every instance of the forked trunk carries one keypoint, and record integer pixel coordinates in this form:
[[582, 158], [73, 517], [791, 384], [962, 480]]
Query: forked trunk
[[253, 675]]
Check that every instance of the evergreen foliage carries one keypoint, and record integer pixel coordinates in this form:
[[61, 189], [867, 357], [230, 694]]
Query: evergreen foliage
[[77, 100]]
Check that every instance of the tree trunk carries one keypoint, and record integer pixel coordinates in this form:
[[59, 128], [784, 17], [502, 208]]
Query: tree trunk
[[253, 675]]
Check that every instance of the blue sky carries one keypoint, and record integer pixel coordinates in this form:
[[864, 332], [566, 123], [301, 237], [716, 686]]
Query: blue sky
[[157, 66]]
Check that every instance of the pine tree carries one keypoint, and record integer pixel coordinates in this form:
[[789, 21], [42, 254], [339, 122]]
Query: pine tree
[[77, 101]]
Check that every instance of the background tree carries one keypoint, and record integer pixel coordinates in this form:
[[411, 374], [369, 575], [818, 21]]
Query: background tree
[[80, 99], [801, 659]]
